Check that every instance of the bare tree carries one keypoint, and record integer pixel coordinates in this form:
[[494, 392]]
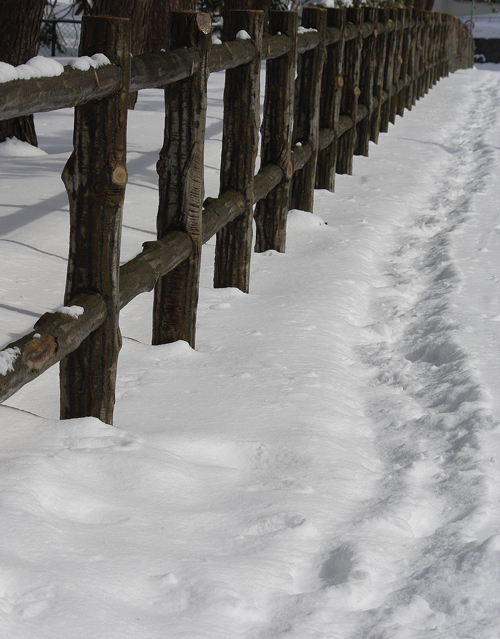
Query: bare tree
[[20, 22]]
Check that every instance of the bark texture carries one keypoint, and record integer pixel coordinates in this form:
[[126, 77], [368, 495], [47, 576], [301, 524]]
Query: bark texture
[[20, 22], [95, 177], [180, 170], [240, 139]]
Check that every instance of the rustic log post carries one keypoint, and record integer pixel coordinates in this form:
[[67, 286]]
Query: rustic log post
[[307, 109], [331, 96], [398, 64], [448, 39], [426, 53], [418, 57], [443, 47], [351, 92], [405, 56], [392, 42], [367, 78], [95, 178], [378, 83], [240, 139], [412, 59], [180, 170], [277, 129]]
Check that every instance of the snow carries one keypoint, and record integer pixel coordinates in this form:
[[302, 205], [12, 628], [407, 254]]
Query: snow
[[85, 62], [12, 147], [39, 67], [243, 35], [7, 359], [325, 464], [72, 311]]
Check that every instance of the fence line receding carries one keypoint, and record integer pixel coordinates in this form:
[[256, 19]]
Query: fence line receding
[[331, 87]]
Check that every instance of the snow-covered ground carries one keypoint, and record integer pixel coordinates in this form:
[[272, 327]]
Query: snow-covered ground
[[325, 465]]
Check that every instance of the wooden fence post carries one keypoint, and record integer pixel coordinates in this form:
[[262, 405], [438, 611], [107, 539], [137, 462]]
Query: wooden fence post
[[180, 170], [390, 60], [95, 178], [398, 64], [331, 96], [405, 56], [426, 53], [277, 129], [307, 109], [412, 60], [367, 78], [240, 139], [418, 55], [350, 94], [381, 55]]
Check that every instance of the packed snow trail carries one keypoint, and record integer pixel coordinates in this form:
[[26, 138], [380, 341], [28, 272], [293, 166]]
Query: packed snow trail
[[324, 465], [436, 514]]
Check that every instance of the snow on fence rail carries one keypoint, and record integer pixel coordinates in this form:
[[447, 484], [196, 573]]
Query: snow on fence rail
[[356, 69]]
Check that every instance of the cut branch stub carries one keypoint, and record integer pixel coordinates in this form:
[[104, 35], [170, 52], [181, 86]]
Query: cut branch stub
[[180, 170]]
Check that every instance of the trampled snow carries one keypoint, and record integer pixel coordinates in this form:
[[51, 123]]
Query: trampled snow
[[325, 464]]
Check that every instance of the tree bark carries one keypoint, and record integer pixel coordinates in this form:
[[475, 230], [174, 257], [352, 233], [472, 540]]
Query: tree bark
[[149, 23], [149, 20], [20, 22]]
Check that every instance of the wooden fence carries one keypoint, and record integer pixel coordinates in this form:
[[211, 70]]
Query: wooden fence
[[332, 86]]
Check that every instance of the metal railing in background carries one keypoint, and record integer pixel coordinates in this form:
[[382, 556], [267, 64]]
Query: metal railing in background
[[59, 38]]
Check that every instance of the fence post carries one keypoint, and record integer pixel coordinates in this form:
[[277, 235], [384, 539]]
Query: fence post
[[307, 109], [331, 96], [419, 53], [350, 94], [398, 64], [412, 59], [277, 130], [367, 78], [389, 72], [239, 149], [426, 52], [95, 178], [180, 171], [381, 55], [405, 56]]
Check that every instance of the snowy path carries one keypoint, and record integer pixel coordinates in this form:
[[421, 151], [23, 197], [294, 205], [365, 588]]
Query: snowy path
[[324, 466]]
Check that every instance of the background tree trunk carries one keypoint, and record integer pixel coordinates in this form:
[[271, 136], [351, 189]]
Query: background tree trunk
[[20, 22], [149, 23], [149, 20], [246, 5]]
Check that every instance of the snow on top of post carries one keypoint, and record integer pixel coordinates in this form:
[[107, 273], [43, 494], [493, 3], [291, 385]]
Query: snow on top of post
[[305, 30]]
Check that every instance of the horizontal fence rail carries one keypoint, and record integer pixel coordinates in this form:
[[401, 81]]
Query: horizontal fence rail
[[331, 87]]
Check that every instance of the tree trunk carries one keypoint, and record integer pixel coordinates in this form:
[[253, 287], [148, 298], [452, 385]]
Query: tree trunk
[[149, 20], [20, 22], [149, 23]]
